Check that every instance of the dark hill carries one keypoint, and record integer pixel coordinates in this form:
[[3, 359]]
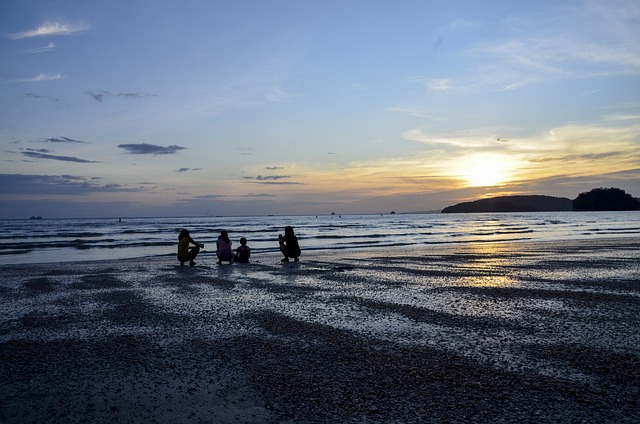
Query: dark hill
[[513, 204], [606, 199]]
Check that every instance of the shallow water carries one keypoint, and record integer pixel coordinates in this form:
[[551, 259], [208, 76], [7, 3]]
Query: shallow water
[[56, 240]]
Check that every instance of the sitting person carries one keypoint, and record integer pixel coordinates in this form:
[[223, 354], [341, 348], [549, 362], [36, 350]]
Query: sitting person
[[223, 248], [243, 252], [289, 245], [184, 254]]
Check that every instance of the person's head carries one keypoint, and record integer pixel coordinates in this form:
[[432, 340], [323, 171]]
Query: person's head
[[183, 233], [243, 241], [224, 235], [288, 230]]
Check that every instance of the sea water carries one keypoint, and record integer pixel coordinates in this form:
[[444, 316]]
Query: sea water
[[56, 240]]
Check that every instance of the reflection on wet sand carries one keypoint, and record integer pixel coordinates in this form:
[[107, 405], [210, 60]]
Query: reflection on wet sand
[[556, 315]]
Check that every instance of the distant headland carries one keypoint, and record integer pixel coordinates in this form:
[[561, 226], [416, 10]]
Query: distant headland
[[598, 199], [534, 203]]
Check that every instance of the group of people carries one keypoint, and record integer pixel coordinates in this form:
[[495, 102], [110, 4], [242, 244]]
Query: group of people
[[288, 246]]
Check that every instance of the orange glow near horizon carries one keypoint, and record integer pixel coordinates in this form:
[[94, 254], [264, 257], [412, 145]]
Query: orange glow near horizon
[[486, 170]]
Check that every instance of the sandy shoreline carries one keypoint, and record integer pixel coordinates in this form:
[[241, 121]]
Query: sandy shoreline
[[520, 332]]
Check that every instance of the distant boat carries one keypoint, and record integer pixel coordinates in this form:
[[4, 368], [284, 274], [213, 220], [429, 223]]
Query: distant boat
[[36, 217]]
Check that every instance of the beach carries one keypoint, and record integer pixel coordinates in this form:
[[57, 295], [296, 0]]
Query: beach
[[539, 332]]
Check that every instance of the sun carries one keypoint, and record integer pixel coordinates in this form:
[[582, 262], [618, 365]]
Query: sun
[[486, 170]]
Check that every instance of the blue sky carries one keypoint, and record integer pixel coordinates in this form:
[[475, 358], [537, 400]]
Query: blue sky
[[167, 108]]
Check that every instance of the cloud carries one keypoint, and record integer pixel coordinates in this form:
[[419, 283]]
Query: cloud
[[276, 95], [188, 169], [40, 77], [100, 95], [19, 184], [63, 140], [273, 168], [579, 157], [43, 49], [585, 40], [572, 185], [40, 96], [272, 179], [479, 138], [265, 180], [150, 149], [41, 154], [208, 197], [416, 112], [50, 28], [253, 195], [442, 84]]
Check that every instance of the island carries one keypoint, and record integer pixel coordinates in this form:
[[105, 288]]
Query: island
[[532, 203]]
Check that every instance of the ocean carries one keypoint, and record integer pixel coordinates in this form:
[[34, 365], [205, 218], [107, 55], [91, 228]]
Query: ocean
[[62, 240]]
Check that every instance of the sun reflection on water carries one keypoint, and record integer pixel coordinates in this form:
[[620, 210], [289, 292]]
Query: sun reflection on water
[[485, 266], [488, 281]]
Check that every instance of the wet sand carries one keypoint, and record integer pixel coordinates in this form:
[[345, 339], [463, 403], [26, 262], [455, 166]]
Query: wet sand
[[521, 332]]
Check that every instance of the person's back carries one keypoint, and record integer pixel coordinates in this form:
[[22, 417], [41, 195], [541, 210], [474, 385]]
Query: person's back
[[224, 251], [183, 246], [184, 253], [243, 253], [293, 248], [289, 245]]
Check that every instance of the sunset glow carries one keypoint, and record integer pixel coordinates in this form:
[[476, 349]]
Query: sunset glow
[[486, 170], [309, 108]]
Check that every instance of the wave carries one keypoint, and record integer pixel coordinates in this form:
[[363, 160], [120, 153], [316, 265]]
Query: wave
[[106, 238]]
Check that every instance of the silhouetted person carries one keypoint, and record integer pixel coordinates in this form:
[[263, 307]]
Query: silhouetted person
[[289, 245], [243, 252], [223, 248], [184, 254]]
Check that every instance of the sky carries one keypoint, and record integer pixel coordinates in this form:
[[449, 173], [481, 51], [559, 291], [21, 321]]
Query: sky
[[114, 108]]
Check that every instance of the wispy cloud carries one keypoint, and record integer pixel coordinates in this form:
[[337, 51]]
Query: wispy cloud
[[54, 184], [574, 150], [208, 197], [63, 140], [414, 111], [442, 84], [479, 138], [188, 169], [40, 96], [281, 182], [50, 28], [588, 39], [100, 95], [268, 177], [254, 195], [272, 179], [150, 149], [43, 49], [40, 77], [44, 154]]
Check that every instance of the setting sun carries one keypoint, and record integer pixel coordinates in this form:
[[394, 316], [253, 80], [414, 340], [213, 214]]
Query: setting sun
[[486, 170]]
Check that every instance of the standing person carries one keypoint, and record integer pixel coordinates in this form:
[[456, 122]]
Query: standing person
[[223, 250], [184, 254], [289, 245], [243, 252]]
